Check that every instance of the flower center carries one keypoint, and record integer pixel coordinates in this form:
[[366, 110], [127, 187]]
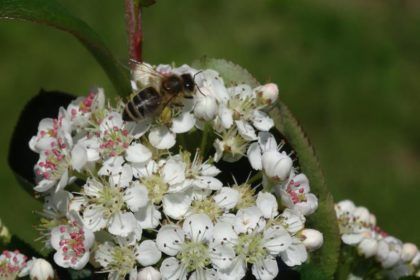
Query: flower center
[[246, 195], [115, 141], [111, 198], [194, 255], [207, 206], [123, 260], [251, 247], [156, 187], [72, 242]]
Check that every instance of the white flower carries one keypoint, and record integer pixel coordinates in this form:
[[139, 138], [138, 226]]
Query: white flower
[[187, 247], [312, 239], [13, 265], [227, 198], [105, 206], [50, 131], [41, 270], [120, 259], [72, 243], [53, 167], [254, 246], [295, 195], [81, 109]]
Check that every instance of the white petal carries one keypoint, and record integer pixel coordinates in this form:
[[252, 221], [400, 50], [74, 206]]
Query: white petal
[[173, 172], [122, 178], [122, 224], [246, 130], [161, 138], [222, 256], [248, 219], [205, 107], [206, 182], [147, 253], [276, 240], [309, 206], [267, 204], [265, 270], [262, 121], [78, 157], [148, 217], [294, 255], [170, 239], [112, 165], [227, 198], [198, 227], [209, 170], [175, 205], [224, 233], [171, 269], [138, 153], [183, 123], [104, 254], [136, 196], [267, 141], [254, 156], [226, 117], [93, 217], [44, 185], [292, 220]]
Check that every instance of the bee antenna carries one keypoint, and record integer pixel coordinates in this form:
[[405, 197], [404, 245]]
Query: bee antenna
[[196, 83]]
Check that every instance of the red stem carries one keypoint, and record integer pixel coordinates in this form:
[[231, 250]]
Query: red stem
[[134, 29]]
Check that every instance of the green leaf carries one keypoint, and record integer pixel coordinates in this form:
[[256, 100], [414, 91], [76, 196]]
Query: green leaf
[[50, 12], [21, 159], [324, 220], [310, 271]]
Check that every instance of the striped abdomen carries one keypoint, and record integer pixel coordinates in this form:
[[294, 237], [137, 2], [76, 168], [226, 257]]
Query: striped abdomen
[[143, 104]]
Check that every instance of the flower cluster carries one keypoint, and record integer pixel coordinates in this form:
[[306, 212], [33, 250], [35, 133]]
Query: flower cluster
[[123, 196], [358, 228], [14, 264]]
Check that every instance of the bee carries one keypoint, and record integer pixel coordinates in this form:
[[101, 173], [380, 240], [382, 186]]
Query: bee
[[152, 100]]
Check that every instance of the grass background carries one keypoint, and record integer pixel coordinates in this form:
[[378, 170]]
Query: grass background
[[349, 70]]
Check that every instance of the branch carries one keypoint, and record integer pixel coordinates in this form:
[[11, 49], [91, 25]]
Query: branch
[[133, 22]]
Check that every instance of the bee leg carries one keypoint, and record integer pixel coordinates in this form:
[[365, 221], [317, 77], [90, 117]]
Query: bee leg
[[176, 104]]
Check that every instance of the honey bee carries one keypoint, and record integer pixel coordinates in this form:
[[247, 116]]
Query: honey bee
[[152, 100]]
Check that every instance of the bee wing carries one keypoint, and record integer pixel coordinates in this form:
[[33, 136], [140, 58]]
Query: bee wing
[[145, 68]]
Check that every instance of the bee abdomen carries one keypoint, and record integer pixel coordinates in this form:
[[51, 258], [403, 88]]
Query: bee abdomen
[[142, 104]]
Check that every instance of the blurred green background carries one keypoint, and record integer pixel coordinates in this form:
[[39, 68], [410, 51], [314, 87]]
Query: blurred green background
[[349, 70]]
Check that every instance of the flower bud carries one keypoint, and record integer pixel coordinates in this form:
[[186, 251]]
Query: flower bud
[[372, 220], [409, 251], [277, 166], [41, 270], [149, 273], [368, 247], [312, 239], [205, 108], [267, 94], [362, 214], [346, 206]]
